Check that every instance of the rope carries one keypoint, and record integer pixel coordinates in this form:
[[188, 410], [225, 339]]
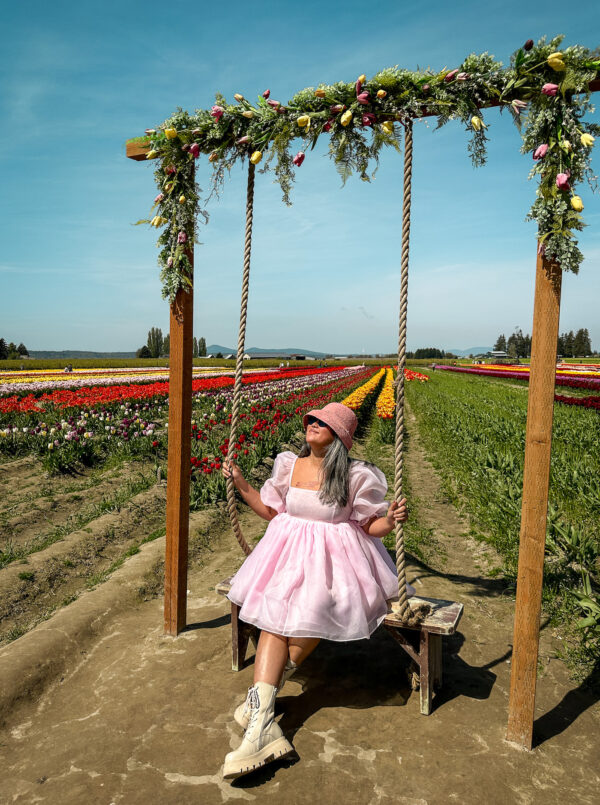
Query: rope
[[402, 610], [237, 385]]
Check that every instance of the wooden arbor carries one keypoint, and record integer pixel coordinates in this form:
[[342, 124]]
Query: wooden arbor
[[538, 442]]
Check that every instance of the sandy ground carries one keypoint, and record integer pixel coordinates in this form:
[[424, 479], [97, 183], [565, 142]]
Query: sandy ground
[[143, 718]]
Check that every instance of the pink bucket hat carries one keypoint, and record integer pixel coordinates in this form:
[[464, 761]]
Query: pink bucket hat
[[341, 419]]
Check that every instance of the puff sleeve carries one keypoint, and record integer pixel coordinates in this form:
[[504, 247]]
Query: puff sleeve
[[275, 488], [368, 488]]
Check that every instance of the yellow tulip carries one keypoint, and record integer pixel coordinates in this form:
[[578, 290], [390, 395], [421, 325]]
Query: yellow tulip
[[576, 203], [256, 157], [170, 134], [152, 154], [238, 97], [362, 78], [477, 123], [158, 221], [248, 113], [303, 121], [381, 93], [555, 60], [346, 118], [320, 93], [388, 127], [182, 199], [586, 139]]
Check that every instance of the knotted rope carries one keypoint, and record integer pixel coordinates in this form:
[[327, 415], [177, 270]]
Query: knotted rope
[[237, 385], [402, 610]]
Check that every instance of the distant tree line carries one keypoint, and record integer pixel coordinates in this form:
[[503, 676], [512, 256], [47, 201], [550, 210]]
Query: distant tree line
[[429, 352], [569, 345], [11, 351], [159, 346]]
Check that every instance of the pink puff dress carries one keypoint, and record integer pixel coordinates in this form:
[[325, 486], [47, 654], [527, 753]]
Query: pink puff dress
[[315, 572]]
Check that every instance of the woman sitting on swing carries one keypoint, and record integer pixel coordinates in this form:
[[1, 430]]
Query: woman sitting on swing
[[319, 572]]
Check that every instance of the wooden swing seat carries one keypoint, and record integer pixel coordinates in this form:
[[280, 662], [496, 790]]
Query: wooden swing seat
[[422, 643]]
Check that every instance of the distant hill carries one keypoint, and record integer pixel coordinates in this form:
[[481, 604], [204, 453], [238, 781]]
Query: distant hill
[[214, 348], [470, 351], [77, 353]]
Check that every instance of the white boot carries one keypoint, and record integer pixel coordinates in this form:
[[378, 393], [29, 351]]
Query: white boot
[[242, 712], [263, 740]]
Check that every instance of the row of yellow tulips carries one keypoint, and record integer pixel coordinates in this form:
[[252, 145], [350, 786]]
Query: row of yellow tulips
[[359, 395], [386, 400]]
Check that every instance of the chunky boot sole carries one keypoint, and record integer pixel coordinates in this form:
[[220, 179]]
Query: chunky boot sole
[[276, 749]]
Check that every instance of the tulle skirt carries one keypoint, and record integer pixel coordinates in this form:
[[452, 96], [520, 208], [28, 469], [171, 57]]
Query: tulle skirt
[[308, 578]]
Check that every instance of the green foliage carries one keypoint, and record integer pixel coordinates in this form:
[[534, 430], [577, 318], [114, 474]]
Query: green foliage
[[474, 431]]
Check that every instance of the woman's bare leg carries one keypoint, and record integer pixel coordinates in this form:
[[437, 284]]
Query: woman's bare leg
[[271, 657], [300, 647]]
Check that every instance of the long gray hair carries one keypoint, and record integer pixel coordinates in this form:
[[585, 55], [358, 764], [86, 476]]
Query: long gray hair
[[335, 470]]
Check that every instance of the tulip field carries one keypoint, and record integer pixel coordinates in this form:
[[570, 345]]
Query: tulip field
[[79, 461], [474, 432], [77, 448]]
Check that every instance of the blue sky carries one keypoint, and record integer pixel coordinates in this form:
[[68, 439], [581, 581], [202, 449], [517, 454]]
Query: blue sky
[[78, 79]]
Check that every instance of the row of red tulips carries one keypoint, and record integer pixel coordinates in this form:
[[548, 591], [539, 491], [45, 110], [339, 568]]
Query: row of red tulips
[[104, 395]]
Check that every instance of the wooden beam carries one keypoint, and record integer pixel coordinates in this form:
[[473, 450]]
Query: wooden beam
[[178, 473], [536, 477]]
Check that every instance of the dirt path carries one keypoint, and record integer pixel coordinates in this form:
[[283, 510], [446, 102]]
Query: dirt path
[[143, 718]]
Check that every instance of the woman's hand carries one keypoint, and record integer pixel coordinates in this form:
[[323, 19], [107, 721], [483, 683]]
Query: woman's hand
[[230, 468], [397, 512]]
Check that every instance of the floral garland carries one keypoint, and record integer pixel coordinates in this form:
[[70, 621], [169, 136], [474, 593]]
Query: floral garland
[[545, 89]]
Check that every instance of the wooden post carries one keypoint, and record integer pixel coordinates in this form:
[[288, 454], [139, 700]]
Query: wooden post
[[536, 478], [178, 477]]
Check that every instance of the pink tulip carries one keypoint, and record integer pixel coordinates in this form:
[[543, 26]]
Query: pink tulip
[[299, 158], [363, 98], [541, 151], [266, 93], [182, 237], [562, 181], [195, 150], [358, 87], [518, 105], [217, 112], [327, 126], [159, 198], [452, 74], [274, 104], [243, 140], [550, 89], [368, 119], [462, 76], [282, 110], [337, 107]]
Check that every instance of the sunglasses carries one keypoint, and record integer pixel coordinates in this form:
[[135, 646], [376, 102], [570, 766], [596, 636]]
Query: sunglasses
[[311, 420]]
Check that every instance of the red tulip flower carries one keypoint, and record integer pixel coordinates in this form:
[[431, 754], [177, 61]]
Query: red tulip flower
[[217, 112], [363, 98], [541, 151], [299, 158], [266, 93]]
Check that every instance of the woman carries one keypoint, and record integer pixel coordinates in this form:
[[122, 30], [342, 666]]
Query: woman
[[319, 572]]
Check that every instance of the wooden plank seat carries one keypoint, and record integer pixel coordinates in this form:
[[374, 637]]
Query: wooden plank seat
[[422, 643]]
